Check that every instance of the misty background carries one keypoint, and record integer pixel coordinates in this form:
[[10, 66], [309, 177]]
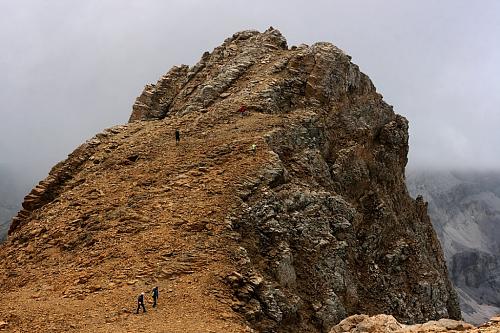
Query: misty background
[[72, 68]]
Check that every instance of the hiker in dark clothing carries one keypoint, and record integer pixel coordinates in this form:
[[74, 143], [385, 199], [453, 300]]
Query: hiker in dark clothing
[[155, 296], [177, 136], [140, 302]]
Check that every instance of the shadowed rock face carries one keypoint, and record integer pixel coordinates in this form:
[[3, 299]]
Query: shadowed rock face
[[313, 225], [465, 210]]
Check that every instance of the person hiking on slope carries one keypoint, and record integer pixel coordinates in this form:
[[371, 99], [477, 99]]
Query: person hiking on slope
[[155, 296], [177, 136], [140, 302], [242, 110], [253, 148]]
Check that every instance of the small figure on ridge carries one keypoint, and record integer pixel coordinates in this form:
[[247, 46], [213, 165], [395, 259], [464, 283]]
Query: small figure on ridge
[[155, 296], [140, 302], [242, 110]]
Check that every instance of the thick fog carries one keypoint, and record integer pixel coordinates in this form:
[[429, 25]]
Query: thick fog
[[71, 68]]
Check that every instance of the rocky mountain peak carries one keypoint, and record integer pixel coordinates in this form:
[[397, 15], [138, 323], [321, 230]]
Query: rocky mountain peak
[[286, 217], [255, 69]]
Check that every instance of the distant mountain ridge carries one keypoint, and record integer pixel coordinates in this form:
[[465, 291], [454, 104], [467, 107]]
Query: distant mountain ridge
[[465, 211], [11, 194]]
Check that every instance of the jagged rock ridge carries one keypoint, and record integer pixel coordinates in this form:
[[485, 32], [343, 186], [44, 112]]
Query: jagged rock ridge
[[314, 225]]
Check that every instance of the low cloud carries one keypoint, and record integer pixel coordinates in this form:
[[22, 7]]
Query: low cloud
[[70, 69]]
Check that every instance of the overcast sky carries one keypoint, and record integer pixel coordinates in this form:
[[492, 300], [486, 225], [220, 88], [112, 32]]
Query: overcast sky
[[69, 69]]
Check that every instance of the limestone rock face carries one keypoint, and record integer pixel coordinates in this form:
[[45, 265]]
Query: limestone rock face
[[285, 219], [388, 324]]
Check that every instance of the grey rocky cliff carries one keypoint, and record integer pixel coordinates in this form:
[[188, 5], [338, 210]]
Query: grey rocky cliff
[[329, 229], [465, 211]]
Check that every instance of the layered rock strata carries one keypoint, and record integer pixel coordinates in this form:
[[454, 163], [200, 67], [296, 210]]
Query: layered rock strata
[[287, 218]]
